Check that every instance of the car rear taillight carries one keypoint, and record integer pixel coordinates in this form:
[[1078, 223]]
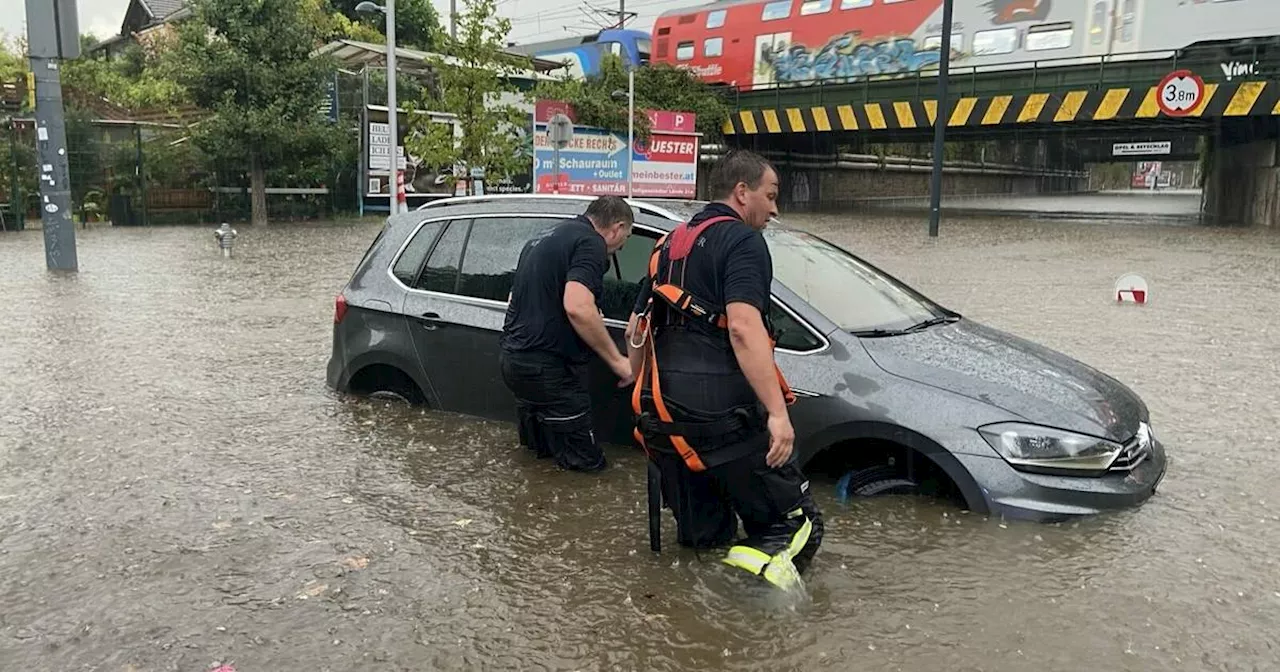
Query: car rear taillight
[[339, 308]]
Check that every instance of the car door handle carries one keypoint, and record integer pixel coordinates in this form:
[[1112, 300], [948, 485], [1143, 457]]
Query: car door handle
[[429, 321]]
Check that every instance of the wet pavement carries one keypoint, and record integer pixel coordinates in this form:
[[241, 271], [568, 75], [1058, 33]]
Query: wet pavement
[[178, 488], [1145, 206]]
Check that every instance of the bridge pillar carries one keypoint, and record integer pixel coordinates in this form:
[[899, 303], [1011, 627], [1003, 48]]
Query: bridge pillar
[[1242, 185]]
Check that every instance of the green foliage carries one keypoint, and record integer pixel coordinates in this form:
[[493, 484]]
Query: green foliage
[[13, 65], [249, 63], [601, 100], [136, 80], [476, 87], [417, 24]]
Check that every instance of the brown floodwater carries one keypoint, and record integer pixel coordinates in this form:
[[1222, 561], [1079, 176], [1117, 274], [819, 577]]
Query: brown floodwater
[[178, 487]]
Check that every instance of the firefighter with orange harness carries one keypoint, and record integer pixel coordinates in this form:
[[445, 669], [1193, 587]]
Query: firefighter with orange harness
[[710, 403]]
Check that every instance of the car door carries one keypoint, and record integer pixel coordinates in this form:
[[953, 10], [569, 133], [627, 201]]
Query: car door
[[460, 307], [611, 405]]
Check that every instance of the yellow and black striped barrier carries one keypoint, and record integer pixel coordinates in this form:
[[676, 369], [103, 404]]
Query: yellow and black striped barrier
[[1232, 99]]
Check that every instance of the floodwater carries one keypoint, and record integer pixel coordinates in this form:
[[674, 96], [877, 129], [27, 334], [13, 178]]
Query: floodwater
[[178, 488]]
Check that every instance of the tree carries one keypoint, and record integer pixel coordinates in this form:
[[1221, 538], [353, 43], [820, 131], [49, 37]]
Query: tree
[[249, 63], [657, 87], [475, 85], [12, 60], [138, 80], [417, 24]]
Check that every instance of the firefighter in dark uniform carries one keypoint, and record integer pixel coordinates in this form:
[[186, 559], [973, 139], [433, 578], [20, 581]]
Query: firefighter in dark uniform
[[710, 403], [552, 325]]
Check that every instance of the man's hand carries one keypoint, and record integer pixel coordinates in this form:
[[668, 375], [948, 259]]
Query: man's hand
[[754, 351], [622, 369], [781, 439]]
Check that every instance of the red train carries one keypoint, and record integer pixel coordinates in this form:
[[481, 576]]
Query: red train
[[766, 43]]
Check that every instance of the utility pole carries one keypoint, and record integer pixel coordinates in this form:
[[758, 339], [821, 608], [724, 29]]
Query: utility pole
[[453, 19], [622, 15], [940, 121], [53, 35]]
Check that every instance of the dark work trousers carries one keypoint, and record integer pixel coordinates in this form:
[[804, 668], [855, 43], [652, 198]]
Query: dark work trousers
[[553, 408], [704, 503]]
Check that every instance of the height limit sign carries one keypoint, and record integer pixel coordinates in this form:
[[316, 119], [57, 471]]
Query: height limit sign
[[1179, 93]]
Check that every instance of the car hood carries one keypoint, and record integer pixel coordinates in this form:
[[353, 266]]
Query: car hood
[[1030, 381]]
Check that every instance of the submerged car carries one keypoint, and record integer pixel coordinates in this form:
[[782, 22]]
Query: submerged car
[[896, 394]]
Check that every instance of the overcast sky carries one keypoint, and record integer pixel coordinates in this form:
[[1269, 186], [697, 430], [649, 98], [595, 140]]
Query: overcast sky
[[531, 20]]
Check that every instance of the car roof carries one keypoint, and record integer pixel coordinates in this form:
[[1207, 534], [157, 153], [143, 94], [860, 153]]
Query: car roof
[[661, 213]]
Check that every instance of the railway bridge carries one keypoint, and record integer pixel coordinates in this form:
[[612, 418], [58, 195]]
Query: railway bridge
[[1096, 109]]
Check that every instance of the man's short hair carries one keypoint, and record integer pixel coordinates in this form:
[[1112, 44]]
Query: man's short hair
[[607, 210], [736, 166]]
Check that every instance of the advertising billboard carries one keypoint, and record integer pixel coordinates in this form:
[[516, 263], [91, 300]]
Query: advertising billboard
[[596, 161]]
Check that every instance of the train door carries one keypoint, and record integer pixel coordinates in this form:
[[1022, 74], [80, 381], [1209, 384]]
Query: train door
[[1098, 26], [771, 47], [770, 51], [1129, 26]]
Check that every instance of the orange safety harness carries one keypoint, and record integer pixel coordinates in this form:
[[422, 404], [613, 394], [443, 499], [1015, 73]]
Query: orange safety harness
[[692, 308]]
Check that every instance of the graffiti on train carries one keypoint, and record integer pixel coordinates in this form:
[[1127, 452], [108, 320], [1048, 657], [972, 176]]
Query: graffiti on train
[[843, 58]]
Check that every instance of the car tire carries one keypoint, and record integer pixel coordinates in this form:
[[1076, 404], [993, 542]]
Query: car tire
[[390, 395], [875, 481]]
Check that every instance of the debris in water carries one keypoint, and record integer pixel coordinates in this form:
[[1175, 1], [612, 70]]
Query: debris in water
[[356, 562], [462, 522]]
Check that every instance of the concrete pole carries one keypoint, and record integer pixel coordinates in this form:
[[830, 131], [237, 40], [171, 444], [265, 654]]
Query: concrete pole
[[392, 122], [631, 122], [940, 123], [55, 174]]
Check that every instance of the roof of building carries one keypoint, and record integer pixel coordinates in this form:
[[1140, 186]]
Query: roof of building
[[353, 53], [163, 9]]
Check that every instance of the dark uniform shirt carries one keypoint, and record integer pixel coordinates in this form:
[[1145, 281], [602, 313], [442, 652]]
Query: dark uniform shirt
[[536, 320], [728, 262]]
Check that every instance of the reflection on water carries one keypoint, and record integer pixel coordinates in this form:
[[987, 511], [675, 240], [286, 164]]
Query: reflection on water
[[178, 487]]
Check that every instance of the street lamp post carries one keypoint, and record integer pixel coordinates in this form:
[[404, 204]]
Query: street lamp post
[[940, 121], [393, 201], [631, 123]]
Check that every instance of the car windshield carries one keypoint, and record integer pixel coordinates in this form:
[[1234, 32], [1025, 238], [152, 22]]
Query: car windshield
[[853, 294]]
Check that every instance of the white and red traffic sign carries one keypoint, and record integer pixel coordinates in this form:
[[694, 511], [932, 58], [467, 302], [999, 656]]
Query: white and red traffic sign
[[1179, 93]]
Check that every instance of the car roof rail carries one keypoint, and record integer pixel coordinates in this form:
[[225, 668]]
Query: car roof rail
[[647, 208]]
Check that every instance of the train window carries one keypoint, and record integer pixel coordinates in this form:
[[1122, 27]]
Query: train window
[[713, 46], [998, 41], [776, 10], [932, 42], [1049, 36], [854, 4], [684, 51], [715, 19], [815, 7]]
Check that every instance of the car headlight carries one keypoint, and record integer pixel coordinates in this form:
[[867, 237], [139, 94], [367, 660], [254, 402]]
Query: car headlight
[[1034, 446]]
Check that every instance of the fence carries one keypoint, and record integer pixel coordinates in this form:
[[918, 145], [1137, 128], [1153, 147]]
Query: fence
[[149, 173]]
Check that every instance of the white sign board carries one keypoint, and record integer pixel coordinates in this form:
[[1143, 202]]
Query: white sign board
[[1141, 148]]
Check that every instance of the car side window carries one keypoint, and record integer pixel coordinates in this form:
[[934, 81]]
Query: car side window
[[626, 269], [493, 249], [410, 262], [441, 273], [790, 334]]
